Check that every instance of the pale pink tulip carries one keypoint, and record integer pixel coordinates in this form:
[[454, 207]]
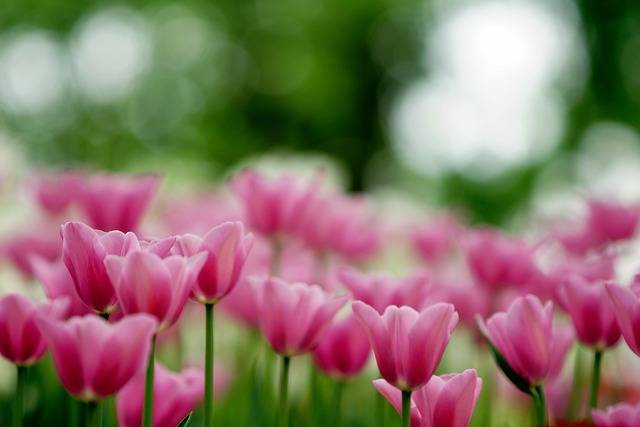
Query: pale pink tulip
[[437, 239], [407, 344], [620, 415], [626, 306], [95, 359], [344, 349], [445, 401], [55, 191], [21, 247]]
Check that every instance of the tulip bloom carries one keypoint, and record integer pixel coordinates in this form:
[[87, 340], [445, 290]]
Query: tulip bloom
[[227, 247], [117, 202], [445, 401], [54, 192], [20, 248], [626, 305], [344, 349], [381, 290], [620, 415], [83, 252], [437, 239], [175, 394], [95, 359], [407, 344]]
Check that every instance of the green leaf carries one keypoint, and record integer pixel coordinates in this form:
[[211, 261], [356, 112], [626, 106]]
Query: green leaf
[[185, 421], [516, 379]]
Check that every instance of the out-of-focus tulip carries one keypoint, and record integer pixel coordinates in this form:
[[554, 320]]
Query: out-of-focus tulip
[[95, 359], [381, 290], [83, 252], [58, 284], [226, 247], [274, 206], [528, 340], [591, 312], [200, 212], [146, 283], [437, 239], [469, 301], [293, 316], [445, 401], [497, 261], [340, 224], [174, 396], [117, 202], [20, 339], [20, 248], [407, 344], [344, 348], [626, 306], [54, 192], [611, 221], [620, 415]]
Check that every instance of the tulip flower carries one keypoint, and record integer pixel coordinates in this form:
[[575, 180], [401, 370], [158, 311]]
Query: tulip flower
[[620, 415], [55, 191], [529, 347], [445, 401], [626, 306], [293, 318], [344, 349], [175, 394], [95, 359], [437, 239], [226, 248], [593, 319], [117, 202], [611, 221], [58, 285], [381, 290], [83, 252], [20, 248], [496, 261]]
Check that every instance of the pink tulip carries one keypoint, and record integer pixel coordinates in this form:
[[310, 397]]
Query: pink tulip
[[445, 401], [200, 212], [611, 221], [273, 206], [407, 344], [20, 339], [58, 284], [626, 306], [526, 337], [117, 202], [95, 359], [293, 316], [593, 317], [226, 247], [174, 396], [437, 239], [620, 415], [344, 349], [20, 248], [146, 283], [83, 252], [468, 300], [497, 261], [381, 290], [55, 191]]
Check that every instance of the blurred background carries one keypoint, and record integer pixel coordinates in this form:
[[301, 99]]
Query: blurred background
[[495, 107]]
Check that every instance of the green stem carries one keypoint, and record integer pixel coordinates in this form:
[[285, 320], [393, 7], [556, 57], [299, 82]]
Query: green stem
[[406, 408], [147, 412], [19, 398], [282, 419], [577, 388], [337, 403], [315, 404], [74, 412], [208, 367], [380, 409], [539, 406], [595, 379], [93, 414]]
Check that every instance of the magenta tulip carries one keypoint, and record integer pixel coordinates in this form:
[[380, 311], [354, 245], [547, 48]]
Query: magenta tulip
[[620, 415], [611, 221], [526, 337], [445, 401], [274, 206], [227, 247], [407, 344], [20, 339], [344, 349], [293, 316], [20, 248], [382, 290], [95, 359], [58, 284], [55, 191], [626, 306], [146, 283], [437, 239], [592, 315], [174, 394], [83, 252], [117, 202]]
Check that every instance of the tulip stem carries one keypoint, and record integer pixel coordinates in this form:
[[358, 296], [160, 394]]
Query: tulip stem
[[406, 408], [147, 412], [19, 398], [595, 379], [380, 409], [283, 410], [539, 406], [208, 367], [94, 414], [337, 403]]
